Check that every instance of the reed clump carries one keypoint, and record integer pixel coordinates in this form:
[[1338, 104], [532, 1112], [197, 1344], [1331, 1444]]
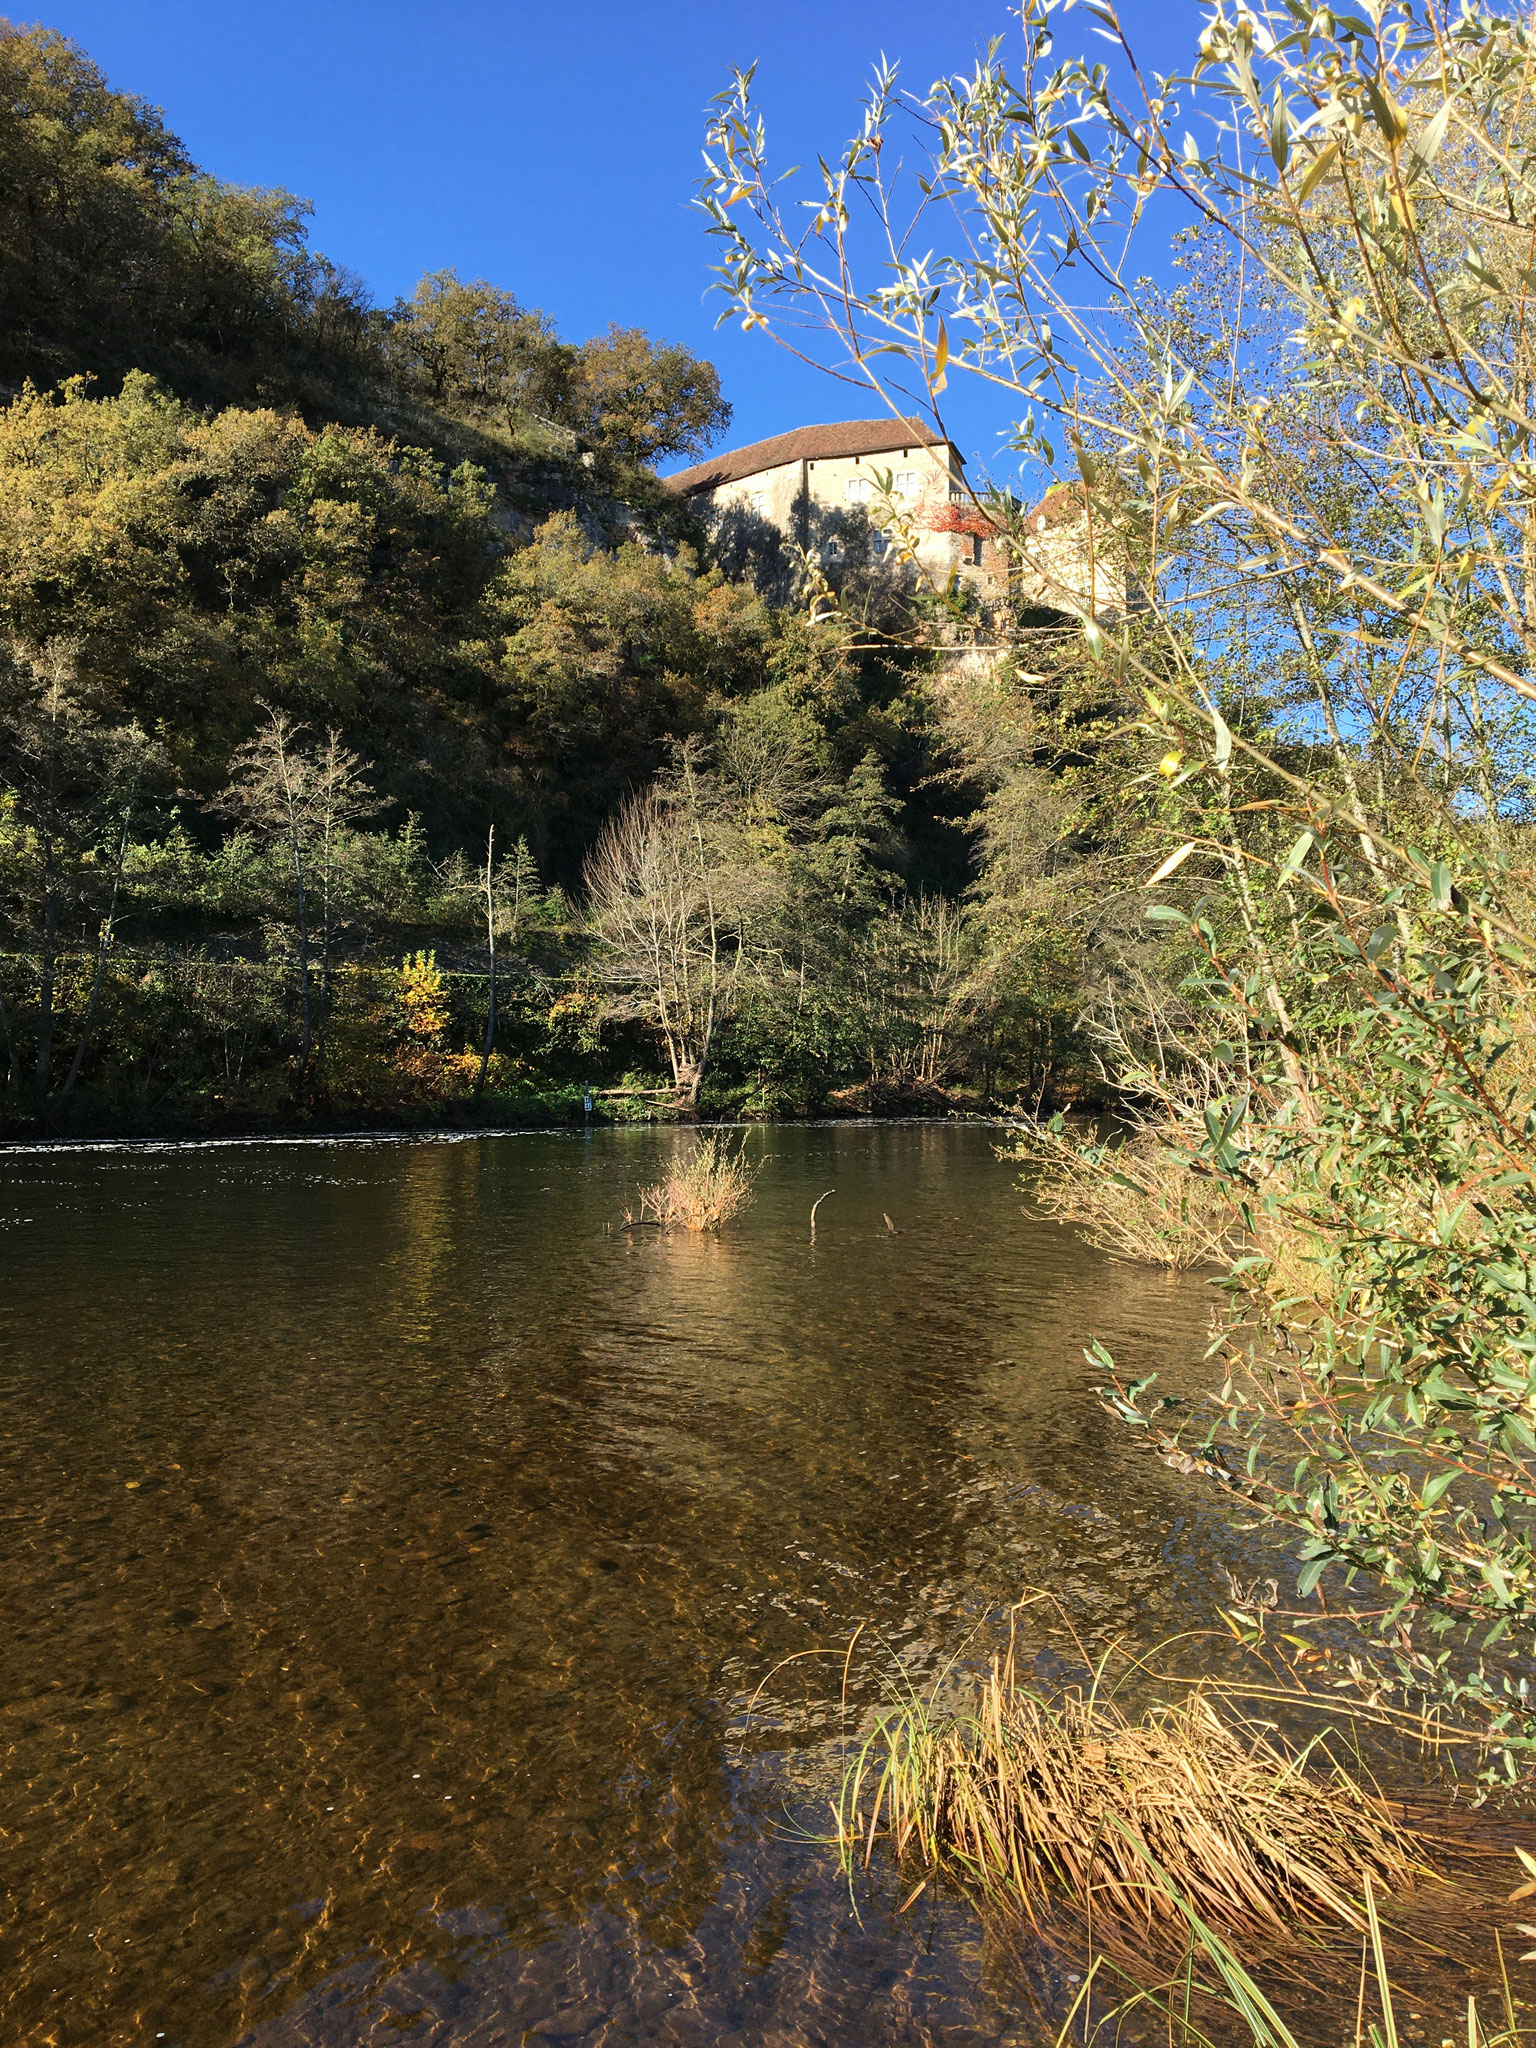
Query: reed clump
[[712, 1184], [1215, 1995], [1049, 1801]]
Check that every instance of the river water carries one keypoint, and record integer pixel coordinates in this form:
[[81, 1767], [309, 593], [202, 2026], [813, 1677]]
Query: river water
[[401, 1559]]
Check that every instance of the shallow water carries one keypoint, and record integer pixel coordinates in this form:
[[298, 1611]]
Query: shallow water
[[394, 1551]]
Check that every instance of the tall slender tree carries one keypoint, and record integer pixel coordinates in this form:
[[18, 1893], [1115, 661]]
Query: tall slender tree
[[298, 800], [79, 774]]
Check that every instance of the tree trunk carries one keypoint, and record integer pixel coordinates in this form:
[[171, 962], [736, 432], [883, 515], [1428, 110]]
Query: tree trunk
[[298, 878], [325, 940], [490, 947], [47, 971], [10, 1044], [103, 942]]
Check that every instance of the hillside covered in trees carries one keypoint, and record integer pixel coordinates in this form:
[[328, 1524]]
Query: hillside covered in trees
[[336, 636]]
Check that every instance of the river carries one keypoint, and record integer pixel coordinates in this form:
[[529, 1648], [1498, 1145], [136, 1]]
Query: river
[[401, 1561]]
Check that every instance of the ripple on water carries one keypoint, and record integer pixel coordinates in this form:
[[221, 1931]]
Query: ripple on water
[[394, 1550]]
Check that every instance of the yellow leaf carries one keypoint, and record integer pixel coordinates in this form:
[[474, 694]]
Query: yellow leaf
[[941, 358], [1317, 170], [1385, 112], [1174, 860]]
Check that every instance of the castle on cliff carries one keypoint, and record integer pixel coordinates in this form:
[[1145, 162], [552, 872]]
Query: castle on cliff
[[892, 493]]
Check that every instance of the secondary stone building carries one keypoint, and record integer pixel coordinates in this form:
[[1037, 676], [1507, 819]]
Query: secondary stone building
[[889, 494]]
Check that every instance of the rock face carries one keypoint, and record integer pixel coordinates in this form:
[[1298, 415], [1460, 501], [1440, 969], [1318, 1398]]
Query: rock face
[[891, 495]]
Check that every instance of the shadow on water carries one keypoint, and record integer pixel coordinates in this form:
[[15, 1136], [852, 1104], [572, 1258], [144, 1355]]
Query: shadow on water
[[392, 1550]]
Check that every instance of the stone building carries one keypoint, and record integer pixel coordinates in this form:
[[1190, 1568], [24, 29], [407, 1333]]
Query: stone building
[[858, 494]]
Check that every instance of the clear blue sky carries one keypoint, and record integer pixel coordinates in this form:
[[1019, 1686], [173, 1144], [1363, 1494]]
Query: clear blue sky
[[551, 148]]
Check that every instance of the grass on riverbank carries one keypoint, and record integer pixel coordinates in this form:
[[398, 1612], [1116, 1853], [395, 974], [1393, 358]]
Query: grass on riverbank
[[1189, 1866], [1213, 1996], [1040, 1800]]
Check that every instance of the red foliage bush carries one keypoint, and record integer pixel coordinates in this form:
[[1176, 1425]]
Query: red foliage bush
[[962, 519]]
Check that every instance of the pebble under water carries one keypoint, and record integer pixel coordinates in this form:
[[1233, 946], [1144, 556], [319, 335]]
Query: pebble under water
[[401, 1561]]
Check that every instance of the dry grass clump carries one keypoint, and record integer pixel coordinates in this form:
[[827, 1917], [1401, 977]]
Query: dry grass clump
[[714, 1183], [1133, 1196], [1069, 1801]]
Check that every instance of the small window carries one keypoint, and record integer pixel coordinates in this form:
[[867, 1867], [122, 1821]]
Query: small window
[[909, 483], [860, 490], [880, 542], [757, 504], [975, 550]]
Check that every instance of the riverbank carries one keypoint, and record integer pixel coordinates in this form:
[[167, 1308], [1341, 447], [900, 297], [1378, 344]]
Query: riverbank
[[567, 1105], [996, 1118]]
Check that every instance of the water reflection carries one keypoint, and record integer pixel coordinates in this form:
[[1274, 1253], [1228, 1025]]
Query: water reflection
[[392, 1547]]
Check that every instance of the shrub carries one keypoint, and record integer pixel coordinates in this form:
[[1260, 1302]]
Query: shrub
[[1134, 1196], [711, 1186]]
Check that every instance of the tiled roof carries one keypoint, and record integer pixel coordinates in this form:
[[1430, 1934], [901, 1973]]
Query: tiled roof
[[807, 444], [1062, 505]]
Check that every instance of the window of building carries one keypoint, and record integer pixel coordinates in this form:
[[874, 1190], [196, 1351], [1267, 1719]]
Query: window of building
[[757, 504], [860, 490], [975, 550], [909, 483]]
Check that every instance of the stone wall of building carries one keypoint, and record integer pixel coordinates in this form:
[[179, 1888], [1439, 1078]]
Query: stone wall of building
[[904, 508]]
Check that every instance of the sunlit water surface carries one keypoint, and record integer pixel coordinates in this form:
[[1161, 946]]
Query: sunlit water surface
[[400, 1565]]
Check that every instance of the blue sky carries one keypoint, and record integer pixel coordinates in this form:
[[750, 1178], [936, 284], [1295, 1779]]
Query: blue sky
[[551, 148]]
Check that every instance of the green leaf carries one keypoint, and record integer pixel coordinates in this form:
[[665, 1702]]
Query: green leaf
[[1219, 1130], [1293, 860], [1385, 112], [1280, 131], [1426, 145], [1308, 1576]]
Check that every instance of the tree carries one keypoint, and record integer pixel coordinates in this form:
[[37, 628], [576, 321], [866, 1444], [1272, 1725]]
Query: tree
[[1342, 1045], [489, 877], [200, 564], [299, 801], [338, 798], [477, 350], [117, 253], [647, 400], [78, 779], [606, 657], [672, 910]]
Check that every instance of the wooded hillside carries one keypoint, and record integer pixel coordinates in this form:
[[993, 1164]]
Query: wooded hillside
[[336, 634]]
